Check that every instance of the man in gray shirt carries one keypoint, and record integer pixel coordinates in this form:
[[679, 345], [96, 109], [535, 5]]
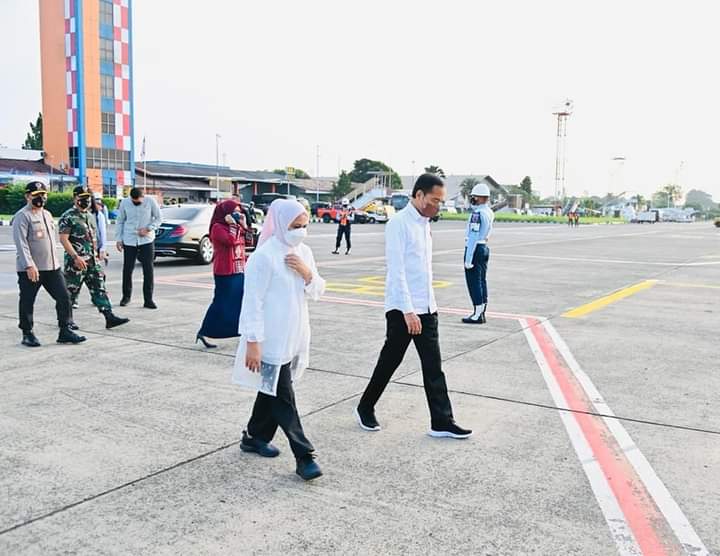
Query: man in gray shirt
[[138, 218], [38, 264]]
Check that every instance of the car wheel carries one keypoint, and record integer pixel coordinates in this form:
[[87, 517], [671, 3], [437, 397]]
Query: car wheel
[[205, 251], [326, 219], [372, 220]]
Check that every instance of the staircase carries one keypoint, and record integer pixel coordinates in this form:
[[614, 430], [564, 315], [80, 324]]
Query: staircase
[[363, 198]]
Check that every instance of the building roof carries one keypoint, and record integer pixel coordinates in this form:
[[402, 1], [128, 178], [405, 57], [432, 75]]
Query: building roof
[[21, 166], [207, 171], [20, 154]]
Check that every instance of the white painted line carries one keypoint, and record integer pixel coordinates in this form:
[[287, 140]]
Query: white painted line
[[661, 495], [614, 516]]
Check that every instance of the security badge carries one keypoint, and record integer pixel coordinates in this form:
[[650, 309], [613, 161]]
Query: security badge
[[475, 221]]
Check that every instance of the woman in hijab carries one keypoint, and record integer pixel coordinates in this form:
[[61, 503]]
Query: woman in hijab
[[275, 329], [227, 234]]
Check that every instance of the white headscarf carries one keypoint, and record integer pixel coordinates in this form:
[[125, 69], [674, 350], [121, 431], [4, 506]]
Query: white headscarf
[[281, 214]]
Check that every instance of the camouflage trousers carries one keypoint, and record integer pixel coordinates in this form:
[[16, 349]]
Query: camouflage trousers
[[93, 277]]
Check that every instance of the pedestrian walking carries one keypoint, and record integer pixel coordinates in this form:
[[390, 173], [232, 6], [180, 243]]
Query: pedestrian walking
[[227, 234], [138, 219], [275, 328], [411, 310], [576, 218], [345, 220], [78, 236], [477, 252], [99, 212], [37, 265]]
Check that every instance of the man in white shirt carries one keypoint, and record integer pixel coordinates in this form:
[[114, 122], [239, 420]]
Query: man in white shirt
[[411, 311]]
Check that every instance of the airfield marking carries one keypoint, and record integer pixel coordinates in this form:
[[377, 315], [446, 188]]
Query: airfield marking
[[608, 299], [640, 512]]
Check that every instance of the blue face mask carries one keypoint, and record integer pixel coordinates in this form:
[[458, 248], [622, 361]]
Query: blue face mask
[[236, 217]]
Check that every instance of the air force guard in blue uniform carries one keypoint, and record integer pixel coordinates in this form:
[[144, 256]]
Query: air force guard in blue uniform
[[476, 251]]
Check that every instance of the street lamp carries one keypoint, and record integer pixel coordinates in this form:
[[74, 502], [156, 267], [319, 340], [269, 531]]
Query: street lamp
[[217, 165]]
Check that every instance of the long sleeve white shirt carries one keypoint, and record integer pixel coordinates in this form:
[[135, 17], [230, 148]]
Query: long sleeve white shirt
[[408, 257], [274, 310]]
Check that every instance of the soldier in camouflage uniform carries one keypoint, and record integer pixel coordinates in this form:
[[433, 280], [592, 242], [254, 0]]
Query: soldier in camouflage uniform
[[82, 264]]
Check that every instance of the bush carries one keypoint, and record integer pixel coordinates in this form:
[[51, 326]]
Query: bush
[[12, 199], [537, 218], [110, 202]]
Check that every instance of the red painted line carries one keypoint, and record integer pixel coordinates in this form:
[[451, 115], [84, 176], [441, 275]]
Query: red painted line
[[643, 516]]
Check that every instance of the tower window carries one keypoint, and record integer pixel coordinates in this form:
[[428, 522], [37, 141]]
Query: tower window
[[107, 86], [106, 50], [106, 12], [108, 122]]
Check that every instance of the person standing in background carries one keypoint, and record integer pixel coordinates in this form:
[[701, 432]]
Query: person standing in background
[[138, 219], [477, 252], [227, 233], [344, 222]]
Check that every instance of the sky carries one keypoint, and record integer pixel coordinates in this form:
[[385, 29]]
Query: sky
[[467, 85]]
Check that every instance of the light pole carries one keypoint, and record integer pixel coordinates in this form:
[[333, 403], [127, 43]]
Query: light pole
[[317, 173], [413, 174], [217, 166]]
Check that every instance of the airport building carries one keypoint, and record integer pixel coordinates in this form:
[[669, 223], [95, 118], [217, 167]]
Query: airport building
[[87, 93]]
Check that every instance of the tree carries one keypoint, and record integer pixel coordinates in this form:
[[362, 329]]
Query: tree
[[667, 196], [432, 169], [343, 186], [695, 197], [34, 139], [299, 174], [526, 186], [363, 170], [466, 186]]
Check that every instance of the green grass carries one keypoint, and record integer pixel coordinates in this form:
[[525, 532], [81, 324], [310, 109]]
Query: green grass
[[537, 218]]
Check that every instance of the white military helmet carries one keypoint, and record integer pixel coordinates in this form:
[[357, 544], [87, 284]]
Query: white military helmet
[[480, 190], [345, 202]]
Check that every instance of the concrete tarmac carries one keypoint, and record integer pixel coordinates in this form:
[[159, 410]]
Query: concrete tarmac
[[592, 435]]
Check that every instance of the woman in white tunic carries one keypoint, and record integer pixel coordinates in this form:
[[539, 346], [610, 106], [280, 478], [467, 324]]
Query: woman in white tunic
[[275, 329]]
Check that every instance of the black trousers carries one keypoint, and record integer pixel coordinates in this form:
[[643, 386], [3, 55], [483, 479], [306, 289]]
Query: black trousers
[[146, 255], [427, 344], [270, 412], [54, 283], [343, 231]]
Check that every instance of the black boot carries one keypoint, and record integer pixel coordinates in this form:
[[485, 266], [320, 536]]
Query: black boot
[[30, 340], [111, 321], [67, 336]]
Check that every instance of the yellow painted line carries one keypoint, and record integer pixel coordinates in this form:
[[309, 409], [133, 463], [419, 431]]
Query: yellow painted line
[[370, 285], [608, 299]]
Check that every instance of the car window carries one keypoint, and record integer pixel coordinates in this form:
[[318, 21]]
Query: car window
[[181, 213]]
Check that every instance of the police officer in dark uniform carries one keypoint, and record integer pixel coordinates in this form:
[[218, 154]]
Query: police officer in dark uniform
[[39, 265], [78, 236]]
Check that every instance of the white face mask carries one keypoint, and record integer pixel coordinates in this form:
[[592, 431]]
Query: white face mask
[[296, 236]]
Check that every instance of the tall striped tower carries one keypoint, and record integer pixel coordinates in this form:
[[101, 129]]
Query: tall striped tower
[[86, 53]]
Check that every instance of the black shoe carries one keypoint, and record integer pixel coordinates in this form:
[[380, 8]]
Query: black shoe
[[336, 252], [72, 325], [150, 305], [483, 320], [30, 340], [124, 301], [199, 338], [111, 321], [347, 252], [473, 320], [67, 336], [451, 430], [366, 420], [265, 449], [307, 468]]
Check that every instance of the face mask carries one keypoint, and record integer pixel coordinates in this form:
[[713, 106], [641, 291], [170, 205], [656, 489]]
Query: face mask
[[236, 217], [296, 236], [83, 203], [38, 201]]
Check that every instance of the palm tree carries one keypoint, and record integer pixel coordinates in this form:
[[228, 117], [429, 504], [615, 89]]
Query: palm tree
[[466, 186], [432, 169]]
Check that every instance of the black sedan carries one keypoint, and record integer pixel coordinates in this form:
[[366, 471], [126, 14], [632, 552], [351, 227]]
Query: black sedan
[[184, 233]]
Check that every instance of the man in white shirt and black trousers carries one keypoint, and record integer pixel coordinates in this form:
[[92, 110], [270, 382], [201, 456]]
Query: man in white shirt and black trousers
[[411, 311]]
